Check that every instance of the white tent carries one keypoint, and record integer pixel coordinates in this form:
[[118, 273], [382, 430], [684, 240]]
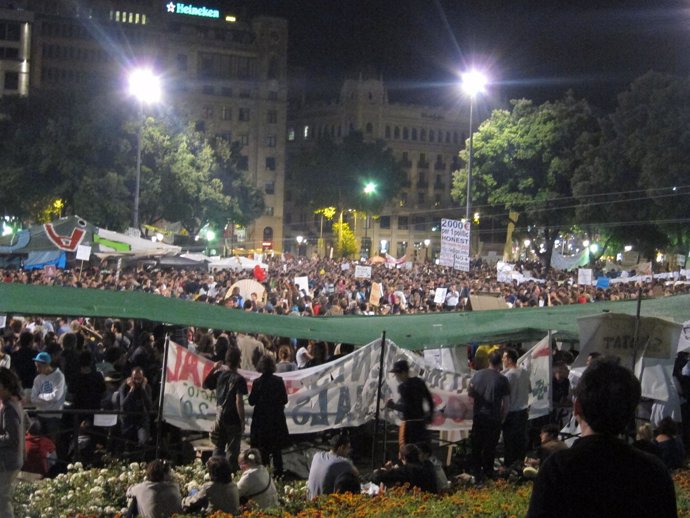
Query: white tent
[[137, 246], [236, 263]]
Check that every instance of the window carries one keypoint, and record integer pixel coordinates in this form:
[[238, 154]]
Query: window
[[226, 91], [245, 93], [403, 223], [272, 116], [268, 212], [271, 163], [244, 139], [403, 199], [422, 135], [406, 134], [414, 133], [208, 111], [420, 198], [270, 188], [243, 163], [419, 222], [243, 114], [208, 90], [447, 137], [273, 68], [225, 113], [455, 137], [12, 81], [271, 140], [369, 127], [388, 131], [396, 132], [385, 222], [431, 135], [402, 248], [291, 134], [306, 132]]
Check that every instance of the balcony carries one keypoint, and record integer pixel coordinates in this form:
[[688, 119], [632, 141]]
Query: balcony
[[406, 163], [440, 166]]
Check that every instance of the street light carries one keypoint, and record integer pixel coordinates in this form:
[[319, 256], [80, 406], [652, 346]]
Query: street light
[[145, 86], [369, 189], [473, 83], [300, 240], [427, 242]]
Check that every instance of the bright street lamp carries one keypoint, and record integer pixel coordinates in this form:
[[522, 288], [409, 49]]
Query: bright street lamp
[[473, 83], [145, 87], [427, 242], [300, 240]]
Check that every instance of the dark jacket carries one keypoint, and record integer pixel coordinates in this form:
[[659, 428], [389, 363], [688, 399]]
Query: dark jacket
[[268, 397]]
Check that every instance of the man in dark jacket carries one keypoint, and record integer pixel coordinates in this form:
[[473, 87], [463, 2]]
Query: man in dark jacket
[[600, 475]]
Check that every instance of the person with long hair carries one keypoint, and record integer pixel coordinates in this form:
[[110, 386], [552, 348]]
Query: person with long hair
[[11, 438], [269, 431], [158, 496]]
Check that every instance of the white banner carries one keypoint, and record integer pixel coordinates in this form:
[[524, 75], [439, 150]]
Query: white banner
[[652, 360], [334, 395], [362, 272], [455, 244], [537, 361]]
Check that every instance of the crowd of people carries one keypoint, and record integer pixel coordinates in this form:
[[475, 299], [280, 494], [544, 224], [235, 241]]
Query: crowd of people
[[88, 365]]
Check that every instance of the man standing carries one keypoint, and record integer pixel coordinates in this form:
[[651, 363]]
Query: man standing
[[515, 425], [230, 389], [491, 393], [413, 394], [600, 475], [327, 466], [136, 403], [48, 395]]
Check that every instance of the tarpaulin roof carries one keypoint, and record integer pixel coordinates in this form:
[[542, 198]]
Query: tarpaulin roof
[[408, 331]]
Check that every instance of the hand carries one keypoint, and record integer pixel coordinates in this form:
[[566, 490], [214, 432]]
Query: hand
[[217, 365]]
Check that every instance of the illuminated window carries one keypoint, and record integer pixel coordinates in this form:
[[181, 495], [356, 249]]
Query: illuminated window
[[143, 19], [306, 133], [291, 134], [136, 18], [117, 16]]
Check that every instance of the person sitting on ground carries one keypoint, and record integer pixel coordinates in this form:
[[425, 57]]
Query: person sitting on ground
[[670, 446], [410, 471], [256, 485], [327, 466], [158, 496], [347, 482], [432, 464], [644, 440], [39, 451], [220, 494], [550, 444], [600, 475]]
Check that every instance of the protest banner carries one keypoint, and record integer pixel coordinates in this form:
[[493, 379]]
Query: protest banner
[[455, 244], [584, 276], [537, 361], [338, 394], [362, 272]]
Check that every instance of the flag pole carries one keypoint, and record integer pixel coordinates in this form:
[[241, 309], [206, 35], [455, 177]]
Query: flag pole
[[378, 401], [636, 335], [161, 397]]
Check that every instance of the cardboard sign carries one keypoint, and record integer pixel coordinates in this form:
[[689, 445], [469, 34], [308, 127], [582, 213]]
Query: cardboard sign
[[584, 276], [83, 253], [362, 272]]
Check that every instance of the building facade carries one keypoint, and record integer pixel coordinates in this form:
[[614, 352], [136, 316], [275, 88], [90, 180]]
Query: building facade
[[15, 49], [227, 74], [426, 139]]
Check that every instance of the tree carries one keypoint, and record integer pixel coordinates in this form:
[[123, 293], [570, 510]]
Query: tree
[[335, 175], [523, 161], [633, 181], [79, 148], [345, 244]]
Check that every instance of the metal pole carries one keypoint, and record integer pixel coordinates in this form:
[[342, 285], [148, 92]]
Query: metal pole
[[161, 397], [378, 401], [135, 211], [469, 167], [636, 335]]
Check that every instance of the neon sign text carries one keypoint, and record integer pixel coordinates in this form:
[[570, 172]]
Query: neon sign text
[[192, 10]]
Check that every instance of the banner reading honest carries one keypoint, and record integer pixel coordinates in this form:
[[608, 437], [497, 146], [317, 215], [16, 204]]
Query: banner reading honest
[[455, 244]]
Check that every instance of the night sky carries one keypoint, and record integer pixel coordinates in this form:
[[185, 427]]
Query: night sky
[[535, 49]]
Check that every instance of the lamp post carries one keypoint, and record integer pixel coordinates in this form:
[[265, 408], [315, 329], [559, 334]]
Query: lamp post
[[473, 83], [300, 240], [427, 242], [145, 86]]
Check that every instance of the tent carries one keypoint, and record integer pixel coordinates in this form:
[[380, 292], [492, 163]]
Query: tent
[[414, 332], [235, 263], [47, 242]]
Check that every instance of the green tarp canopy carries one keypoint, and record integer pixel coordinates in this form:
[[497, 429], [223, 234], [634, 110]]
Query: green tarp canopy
[[412, 332]]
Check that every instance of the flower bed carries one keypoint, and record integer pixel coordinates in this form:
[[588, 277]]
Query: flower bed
[[100, 493]]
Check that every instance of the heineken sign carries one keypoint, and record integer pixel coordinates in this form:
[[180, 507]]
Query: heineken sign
[[192, 10]]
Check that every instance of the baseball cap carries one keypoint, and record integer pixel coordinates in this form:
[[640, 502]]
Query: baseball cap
[[400, 366], [43, 358]]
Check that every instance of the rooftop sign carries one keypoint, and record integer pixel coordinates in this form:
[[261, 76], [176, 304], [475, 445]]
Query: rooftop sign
[[192, 10]]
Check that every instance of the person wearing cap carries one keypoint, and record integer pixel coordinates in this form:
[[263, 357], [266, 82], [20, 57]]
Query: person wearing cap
[[48, 394], [413, 396], [327, 466]]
